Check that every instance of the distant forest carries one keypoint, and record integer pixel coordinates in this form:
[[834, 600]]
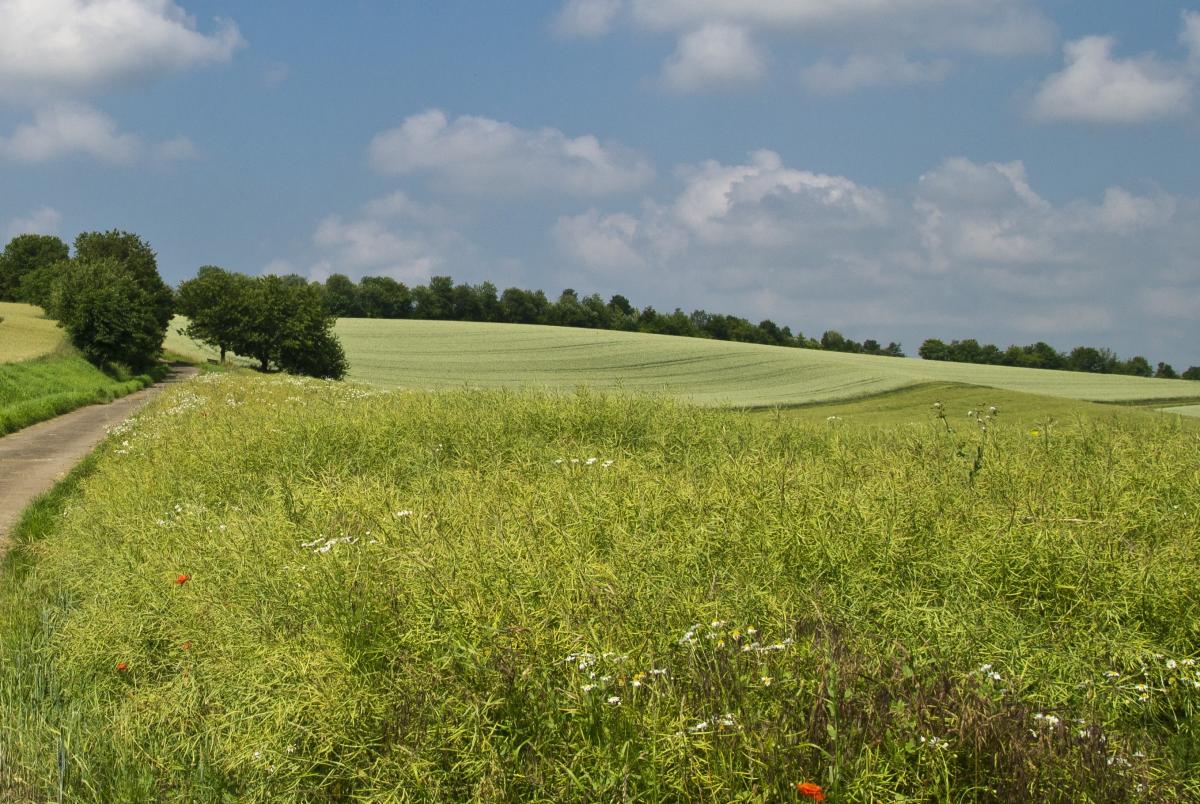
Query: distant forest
[[442, 300]]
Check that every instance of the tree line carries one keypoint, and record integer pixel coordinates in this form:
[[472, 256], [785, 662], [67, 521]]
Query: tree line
[[443, 300], [116, 308], [1042, 355]]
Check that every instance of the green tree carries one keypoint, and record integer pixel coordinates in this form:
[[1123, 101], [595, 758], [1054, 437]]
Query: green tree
[[216, 304], [1193, 373], [1165, 372], [291, 329], [39, 285], [341, 297], [108, 315], [24, 254], [383, 297], [139, 261]]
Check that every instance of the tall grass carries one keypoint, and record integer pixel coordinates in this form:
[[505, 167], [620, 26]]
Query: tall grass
[[41, 389], [272, 589]]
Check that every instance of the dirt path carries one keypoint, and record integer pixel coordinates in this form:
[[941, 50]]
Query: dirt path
[[34, 459]]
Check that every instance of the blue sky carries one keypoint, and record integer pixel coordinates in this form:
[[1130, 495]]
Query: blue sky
[[1009, 170]]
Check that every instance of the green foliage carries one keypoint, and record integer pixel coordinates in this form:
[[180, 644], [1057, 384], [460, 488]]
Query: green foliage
[[23, 255], [38, 286], [458, 597], [37, 390], [1193, 373], [138, 260], [108, 315], [217, 304]]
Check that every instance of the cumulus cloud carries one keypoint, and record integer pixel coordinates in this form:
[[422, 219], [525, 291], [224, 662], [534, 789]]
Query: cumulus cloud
[[41, 221], [393, 236], [64, 130], [970, 250], [875, 35], [586, 18], [481, 156], [862, 70], [1096, 87], [56, 48], [716, 54], [765, 204]]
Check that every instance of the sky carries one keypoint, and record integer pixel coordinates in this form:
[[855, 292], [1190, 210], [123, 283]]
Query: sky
[[1006, 170]]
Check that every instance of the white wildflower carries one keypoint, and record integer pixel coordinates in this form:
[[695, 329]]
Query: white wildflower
[[614, 700]]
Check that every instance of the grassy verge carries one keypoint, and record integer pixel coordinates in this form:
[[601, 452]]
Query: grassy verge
[[279, 589], [41, 389]]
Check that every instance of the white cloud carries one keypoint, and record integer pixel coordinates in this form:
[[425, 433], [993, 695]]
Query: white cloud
[[765, 204], [875, 34], [586, 18], [41, 221], [863, 70], [393, 236], [713, 55], [55, 48], [602, 241], [63, 130], [1094, 87], [971, 250], [481, 156]]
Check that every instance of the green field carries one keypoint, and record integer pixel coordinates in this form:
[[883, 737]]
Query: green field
[[26, 334], [268, 588], [443, 354]]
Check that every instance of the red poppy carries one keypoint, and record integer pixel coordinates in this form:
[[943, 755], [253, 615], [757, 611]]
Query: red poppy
[[180, 580], [810, 790], [122, 667]]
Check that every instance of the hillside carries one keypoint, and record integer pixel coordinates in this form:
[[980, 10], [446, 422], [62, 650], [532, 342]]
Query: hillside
[[25, 334], [440, 354]]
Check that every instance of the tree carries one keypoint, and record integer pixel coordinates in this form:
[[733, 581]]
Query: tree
[[108, 315], [38, 286], [216, 304], [1165, 372], [341, 297], [291, 329], [24, 254], [383, 297], [1193, 373], [934, 349], [1136, 366], [139, 262]]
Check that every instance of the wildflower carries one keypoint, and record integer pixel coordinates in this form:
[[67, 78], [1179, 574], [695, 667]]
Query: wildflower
[[122, 667], [811, 790], [658, 671], [1171, 664], [588, 687], [727, 720], [767, 681], [699, 727], [1112, 674], [181, 579], [402, 514], [614, 700], [1141, 687], [1035, 433]]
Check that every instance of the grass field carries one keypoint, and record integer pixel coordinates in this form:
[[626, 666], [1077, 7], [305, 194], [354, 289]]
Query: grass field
[[26, 334], [41, 389], [435, 354], [443, 354], [278, 589]]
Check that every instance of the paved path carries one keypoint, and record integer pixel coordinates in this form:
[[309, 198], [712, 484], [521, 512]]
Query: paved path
[[34, 459]]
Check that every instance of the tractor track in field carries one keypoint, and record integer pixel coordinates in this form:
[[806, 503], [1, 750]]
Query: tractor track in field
[[34, 459]]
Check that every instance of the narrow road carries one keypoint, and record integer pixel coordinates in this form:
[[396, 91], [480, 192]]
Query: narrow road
[[34, 459]]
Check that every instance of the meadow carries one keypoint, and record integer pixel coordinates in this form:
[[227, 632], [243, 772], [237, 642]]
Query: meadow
[[268, 588], [445, 354], [41, 376]]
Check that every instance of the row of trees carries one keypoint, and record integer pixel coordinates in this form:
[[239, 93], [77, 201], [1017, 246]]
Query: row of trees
[[281, 322], [109, 297], [1043, 355], [116, 308], [443, 300]]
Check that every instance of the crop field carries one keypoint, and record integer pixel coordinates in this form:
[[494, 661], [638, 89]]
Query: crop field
[[25, 334], [438, 354], [430, 355], [268, 588]]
